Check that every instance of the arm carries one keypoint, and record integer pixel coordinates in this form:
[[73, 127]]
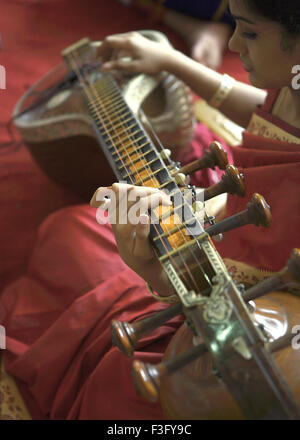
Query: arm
[[152, 57]]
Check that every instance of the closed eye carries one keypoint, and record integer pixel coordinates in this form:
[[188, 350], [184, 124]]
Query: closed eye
[[249, 35]]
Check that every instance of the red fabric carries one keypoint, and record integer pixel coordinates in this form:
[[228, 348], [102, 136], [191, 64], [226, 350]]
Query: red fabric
[[58, 314], [34, 32], [57, 318], [60, 286], [271, 169]]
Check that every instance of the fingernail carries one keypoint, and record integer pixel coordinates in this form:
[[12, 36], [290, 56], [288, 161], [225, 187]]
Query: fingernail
[[99, 196]]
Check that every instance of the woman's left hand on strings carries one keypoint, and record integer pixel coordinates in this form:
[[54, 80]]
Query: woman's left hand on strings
[[128, 207]]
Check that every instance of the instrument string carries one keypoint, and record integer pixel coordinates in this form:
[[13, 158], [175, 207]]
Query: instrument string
[[178, 229], [113, 104], [96, 99]]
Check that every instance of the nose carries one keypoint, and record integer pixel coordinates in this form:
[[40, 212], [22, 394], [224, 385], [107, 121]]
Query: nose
[[237, 44]]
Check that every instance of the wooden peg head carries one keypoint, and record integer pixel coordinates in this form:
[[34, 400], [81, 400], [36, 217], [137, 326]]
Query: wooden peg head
[[293, 265], [218, 155], [234, 181], [123, 337], [259, 211], [215, 156], [146, 380], [289, 274]]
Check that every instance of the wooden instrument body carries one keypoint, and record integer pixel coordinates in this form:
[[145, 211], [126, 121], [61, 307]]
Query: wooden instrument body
[[212, 302], [197, 393], [60, 133]]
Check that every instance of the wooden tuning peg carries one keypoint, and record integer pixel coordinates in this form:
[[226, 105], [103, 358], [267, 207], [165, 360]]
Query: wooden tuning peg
[[232, 182], [281, 343], [215, 156], [148, 377], [289, 274], [258, 213], [126, 336], [165, 154]]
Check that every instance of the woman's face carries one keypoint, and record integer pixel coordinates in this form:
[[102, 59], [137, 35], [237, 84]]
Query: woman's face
[[260, 45]]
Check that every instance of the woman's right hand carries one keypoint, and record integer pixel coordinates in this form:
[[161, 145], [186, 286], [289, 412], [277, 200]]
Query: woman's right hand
[[142, 54]]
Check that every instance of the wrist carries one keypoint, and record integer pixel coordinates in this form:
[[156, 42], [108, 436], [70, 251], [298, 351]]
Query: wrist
[[172, 61], [172, 298], [157, 278]]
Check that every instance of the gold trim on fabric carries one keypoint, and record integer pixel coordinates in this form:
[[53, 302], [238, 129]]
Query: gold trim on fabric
[[261, 127], [12, 406], [249, 276], [245, 274]]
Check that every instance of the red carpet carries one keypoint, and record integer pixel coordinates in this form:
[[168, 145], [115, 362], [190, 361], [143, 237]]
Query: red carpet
[[33, 34]]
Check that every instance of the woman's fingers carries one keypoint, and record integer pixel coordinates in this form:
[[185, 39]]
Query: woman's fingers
[[127, 203], [141, 245], [119, 42], [100, 197]]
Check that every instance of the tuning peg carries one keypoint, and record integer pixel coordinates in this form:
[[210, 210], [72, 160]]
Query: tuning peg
[[148, 377], [232, 182], [165, 154], [215, 156], [289, 274], [181, 179], [126, 336], [258, 213], [281, 343]]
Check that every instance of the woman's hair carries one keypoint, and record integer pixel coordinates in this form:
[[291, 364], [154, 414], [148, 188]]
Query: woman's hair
[[285, 12]]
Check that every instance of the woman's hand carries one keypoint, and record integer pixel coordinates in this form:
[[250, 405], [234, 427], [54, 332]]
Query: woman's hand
[[128, 208], [142, 54]]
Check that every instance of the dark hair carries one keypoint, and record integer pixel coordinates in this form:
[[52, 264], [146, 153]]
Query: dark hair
[[285, 12]]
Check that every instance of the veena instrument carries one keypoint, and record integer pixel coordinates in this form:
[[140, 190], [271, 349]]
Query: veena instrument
[[54, 120], [233, 356]]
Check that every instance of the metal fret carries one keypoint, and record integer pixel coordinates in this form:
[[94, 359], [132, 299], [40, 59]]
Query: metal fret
[[108, 100], [138, 170], [120, 133], [175, 229], [126, 147], [153, 173], [117, 125], [204, 236], [139, 159], [122, 111]]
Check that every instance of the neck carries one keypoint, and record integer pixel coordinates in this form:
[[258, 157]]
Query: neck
[[288, 107], [295, 99]]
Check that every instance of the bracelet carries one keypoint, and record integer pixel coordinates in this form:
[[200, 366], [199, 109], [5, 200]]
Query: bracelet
[[223, 91], [171, 299]]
